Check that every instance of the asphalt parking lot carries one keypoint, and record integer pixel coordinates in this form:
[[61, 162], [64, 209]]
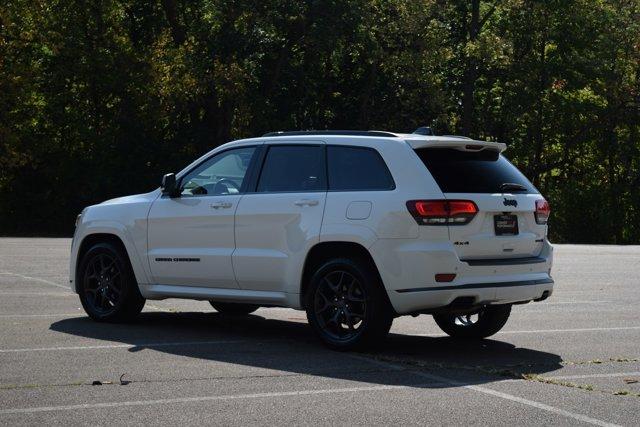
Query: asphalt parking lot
[[573, 359]]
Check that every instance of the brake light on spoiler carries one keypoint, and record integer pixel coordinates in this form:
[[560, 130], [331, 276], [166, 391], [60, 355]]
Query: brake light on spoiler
[[442, 212]]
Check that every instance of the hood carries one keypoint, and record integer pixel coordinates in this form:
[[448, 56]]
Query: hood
[[136, 198]]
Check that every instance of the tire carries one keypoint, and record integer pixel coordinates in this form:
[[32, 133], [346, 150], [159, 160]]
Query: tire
[[345, 292], [490, 319], [234, 309], [107, 286]]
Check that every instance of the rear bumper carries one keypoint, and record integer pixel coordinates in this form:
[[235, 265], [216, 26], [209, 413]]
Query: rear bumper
[[408, 268], [471, 286], [417, 299]]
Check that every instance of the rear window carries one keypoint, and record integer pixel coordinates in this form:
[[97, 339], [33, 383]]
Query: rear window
[[472, 172], [356, 168]]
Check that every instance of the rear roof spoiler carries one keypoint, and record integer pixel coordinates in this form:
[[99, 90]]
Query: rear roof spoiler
[[375, 133], [455, 142]]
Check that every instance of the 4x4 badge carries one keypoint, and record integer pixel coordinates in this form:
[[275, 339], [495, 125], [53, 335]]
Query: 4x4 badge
[[508, 202]]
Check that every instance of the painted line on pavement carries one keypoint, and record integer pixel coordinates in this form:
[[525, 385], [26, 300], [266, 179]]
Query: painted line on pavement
[[571, 302], [491, 392], [78, 313], [542, 331], [209, 398], [110, 346], [38, 294], [586, 376], [37, 279], [20, 316]]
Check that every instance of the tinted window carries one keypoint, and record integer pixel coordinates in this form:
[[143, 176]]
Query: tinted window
[[354, 168], [222, 174], [472, 172], [293, 168]]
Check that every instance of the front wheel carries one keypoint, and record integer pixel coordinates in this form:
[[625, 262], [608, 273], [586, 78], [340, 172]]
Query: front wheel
[[107, 286], [481, 324], [234, 309], [347, 305]]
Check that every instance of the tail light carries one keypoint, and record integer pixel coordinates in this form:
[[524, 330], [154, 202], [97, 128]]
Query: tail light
[[542, 211], [442, 212]]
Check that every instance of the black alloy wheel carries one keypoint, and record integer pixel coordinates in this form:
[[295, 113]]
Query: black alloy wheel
[[107, 286], [347, 305], [102, 284], [340, 305], [482, 323]]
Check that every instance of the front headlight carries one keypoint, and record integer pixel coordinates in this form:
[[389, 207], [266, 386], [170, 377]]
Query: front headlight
[[79, 218]]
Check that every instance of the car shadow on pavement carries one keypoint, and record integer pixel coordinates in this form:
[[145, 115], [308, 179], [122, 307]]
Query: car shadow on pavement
[[290, 346]]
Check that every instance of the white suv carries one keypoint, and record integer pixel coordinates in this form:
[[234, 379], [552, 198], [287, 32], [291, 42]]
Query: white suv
[[356, 228]]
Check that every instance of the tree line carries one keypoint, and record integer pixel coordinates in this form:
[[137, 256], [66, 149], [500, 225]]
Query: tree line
[[99, 98]]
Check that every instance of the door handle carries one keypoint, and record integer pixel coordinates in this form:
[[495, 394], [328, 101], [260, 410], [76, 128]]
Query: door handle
[[306, 202], [221, 205]]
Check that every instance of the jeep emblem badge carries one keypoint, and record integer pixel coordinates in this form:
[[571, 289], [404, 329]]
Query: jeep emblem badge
[[508, 202]]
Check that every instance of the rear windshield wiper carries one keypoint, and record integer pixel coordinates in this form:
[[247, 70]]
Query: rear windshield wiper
[[512, 186]]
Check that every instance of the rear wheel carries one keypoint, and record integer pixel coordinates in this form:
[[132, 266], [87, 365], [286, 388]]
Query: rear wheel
[[234, 309], [107, 286], [481, 324], [347, 305]]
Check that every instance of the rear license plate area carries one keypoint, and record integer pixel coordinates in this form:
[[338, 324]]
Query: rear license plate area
[[505, 225]]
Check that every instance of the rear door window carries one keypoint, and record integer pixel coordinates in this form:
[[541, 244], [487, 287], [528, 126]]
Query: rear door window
[[473, 172], [357, 168], [293, 168]]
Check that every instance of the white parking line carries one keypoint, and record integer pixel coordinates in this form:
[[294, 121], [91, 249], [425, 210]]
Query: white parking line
[[571, 302], [109, 346], [41, 294], [540, 331], [37, 279], [491, 392], [78, 313], [577, 377], [209, 398], [19, 316]]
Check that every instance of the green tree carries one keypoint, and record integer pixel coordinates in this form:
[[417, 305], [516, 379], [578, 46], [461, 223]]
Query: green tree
[[98, 99]]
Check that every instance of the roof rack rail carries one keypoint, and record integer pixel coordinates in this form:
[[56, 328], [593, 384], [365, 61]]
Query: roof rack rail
[[424, 130], [333, 132]]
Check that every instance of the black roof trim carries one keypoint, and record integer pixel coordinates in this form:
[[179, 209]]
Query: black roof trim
[[333, 132]]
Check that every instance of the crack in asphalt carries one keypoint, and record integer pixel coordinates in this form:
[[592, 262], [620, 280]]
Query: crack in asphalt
[[510, 372]]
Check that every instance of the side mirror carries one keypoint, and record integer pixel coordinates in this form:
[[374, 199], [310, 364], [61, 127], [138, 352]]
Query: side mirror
[[168, 185]]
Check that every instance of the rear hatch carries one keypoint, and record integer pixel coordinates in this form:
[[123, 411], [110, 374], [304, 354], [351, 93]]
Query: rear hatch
[[504, 225]]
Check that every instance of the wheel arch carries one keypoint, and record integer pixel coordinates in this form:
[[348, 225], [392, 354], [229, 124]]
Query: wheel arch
[[91, 239], [323, 251]]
